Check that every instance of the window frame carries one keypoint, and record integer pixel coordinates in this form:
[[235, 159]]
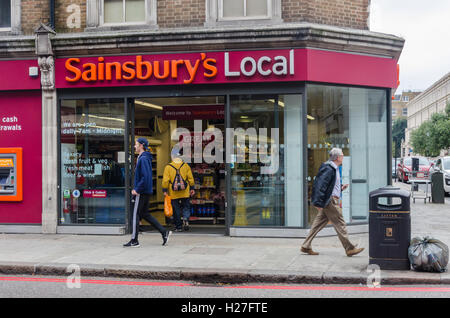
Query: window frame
[[220, 16], [102, 15], [214, 15], [15, 26], [95, 17]]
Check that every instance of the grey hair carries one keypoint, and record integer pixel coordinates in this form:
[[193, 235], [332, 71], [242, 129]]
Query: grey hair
[[335, 153]]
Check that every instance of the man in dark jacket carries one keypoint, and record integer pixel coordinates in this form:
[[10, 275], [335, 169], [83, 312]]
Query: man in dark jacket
[[143, 188], [325, 198]]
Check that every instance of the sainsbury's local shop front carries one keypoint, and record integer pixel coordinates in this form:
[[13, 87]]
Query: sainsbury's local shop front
[[256, 125]]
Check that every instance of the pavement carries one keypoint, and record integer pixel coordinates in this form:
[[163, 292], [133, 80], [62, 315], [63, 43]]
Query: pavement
[[217, 258]]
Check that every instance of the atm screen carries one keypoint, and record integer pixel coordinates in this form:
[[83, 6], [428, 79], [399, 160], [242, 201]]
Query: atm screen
[[3, 179]]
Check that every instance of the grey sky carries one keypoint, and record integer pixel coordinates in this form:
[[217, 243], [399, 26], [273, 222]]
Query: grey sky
[[425, 26]]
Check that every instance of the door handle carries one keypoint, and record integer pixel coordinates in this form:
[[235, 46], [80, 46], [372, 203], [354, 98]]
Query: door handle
[[359, 181]]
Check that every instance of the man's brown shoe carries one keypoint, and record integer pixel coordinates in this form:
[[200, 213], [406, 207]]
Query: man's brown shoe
[[354, 251], [308, 251]]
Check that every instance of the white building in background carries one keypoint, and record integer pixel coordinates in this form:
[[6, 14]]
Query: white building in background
[[433, 100]]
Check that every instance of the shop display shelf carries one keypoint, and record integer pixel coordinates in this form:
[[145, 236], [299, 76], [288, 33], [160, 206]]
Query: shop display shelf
[[200, 201], [198, 187], [205, 218]]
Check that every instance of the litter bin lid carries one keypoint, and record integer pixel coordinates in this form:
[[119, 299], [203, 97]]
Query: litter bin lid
[[391, 191]]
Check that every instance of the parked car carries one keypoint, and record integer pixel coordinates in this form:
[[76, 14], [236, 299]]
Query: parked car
[[443, 165], [404, 168]]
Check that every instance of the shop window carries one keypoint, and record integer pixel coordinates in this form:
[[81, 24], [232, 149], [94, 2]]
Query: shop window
[[266, 164], [120, 14], [92, 162], [354, 120], [229, 12], [10, 16], [5, 14]]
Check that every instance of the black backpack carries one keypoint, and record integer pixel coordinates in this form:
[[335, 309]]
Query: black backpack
[[178, 184]]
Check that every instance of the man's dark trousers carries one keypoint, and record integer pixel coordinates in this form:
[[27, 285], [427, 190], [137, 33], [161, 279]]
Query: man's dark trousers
[[181, 208], [140, 211]]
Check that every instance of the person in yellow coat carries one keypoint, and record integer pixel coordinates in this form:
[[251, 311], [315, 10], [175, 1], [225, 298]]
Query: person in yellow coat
[[178, 183]]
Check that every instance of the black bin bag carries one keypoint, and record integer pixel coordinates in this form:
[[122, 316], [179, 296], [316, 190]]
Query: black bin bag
[[428, 254]]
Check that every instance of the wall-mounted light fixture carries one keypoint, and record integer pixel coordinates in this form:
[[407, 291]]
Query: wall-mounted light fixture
[[43, 43]]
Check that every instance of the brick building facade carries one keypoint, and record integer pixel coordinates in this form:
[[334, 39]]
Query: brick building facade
[[342, 13], [191, 13]]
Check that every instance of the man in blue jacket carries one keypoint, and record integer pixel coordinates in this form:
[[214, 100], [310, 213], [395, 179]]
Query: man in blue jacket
[[325, 198], [143, 188]]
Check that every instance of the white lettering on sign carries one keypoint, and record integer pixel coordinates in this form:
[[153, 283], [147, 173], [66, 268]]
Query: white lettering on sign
[[10, 120], [76, 165], [253, 66], [249, 66], [227, 67], [70, 128], [260, 66]]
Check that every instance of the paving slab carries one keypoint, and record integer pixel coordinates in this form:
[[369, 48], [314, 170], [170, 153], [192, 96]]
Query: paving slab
[[215, 258]]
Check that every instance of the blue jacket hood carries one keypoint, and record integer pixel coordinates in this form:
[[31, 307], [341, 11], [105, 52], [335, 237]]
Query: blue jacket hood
[[146, 154]]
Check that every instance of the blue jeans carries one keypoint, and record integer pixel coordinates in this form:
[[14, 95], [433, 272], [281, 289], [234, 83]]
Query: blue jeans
[[181, 206]]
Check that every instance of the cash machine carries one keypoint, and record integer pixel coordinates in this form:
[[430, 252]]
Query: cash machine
[[11, 174]]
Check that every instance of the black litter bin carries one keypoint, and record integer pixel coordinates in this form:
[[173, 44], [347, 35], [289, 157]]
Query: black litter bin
[[437, 187], [389, 228]]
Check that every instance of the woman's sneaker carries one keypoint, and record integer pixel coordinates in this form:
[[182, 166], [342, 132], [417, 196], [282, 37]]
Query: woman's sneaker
[[132, 243], [185, 225]]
